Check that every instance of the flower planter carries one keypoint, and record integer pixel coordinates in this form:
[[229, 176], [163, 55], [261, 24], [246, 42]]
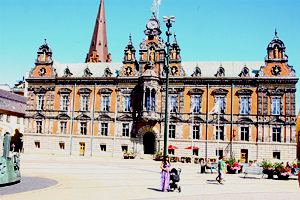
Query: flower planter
[[230, 171], [126, 157], [269, 172], [283, 177]]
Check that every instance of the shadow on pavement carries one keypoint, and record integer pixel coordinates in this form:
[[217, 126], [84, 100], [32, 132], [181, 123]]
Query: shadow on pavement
[[27, 183], [154, 189]]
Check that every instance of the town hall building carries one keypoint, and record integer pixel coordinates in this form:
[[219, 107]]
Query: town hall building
[[100, 108]]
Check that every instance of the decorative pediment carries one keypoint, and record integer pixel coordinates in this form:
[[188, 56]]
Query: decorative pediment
[[220, 72], [276, 120], [244, 92], [220, 92], [67, 72], [126, 91], [196, 91], [105, 91], [125, 117], [276, 92], [38, 116], [245, 120], [64, 91], [103, 117], [196, 119], [84, 91], [107, 72], [174, 118], [82, 117], [221, 120], [244, 72], [63, 116], [197, 72], [87, 72], [40, 90]]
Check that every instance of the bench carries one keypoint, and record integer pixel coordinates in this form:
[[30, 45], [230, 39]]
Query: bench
[[214, 166], [253, 170]]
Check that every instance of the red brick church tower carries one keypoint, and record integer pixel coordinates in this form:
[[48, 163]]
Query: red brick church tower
[[98, 50]]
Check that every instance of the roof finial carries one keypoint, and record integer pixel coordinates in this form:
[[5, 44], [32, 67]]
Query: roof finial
[[275, 34], [45, 40]]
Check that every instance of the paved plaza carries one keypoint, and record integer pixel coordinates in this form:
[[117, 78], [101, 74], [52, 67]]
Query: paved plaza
[[76, 177]]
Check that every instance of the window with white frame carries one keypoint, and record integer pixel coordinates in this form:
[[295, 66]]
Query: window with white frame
[[38, 126], [40, 101], [172, 130], [63, 127], [276, 106], [220, 133], [84, 102], [83, 128], [18, 120], [105, 103], [244, 105], [196, 104], [104, 129], [125, 130], [127, 104], [64, 100], [276, 132], [8, 118], [245, 133], [173, 104], [222, 103], [1, 116], [196, 132]]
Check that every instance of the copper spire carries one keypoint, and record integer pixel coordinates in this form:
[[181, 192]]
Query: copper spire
[[98, 50]]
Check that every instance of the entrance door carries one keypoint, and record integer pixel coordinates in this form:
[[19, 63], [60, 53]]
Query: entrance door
[[82, 148], [244, 155], [148, 142]]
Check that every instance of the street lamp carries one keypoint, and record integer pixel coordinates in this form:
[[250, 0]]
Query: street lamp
[[167, 58]]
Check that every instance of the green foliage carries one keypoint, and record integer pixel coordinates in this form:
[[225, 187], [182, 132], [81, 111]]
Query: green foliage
[[266, 164], [230, 161]]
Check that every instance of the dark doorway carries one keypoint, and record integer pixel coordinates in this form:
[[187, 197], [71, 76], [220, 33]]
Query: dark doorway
[[148, 142], [244, 155]]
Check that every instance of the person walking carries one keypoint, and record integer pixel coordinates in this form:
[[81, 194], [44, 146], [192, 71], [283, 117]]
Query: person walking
[[165, 174], [222, 170]]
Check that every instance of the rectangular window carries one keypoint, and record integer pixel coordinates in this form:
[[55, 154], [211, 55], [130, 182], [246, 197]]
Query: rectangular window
[[63, 127], [276, 155], [8, 118], [244, 105], [276, 106], [104, 129], [172, 129], [62, 145], [196, 105], [83, 128], [18, 120], [124, 148], [39, 127], [276, 134], [40, 102], [221, 131], [105, 103], [220, 153], [196, 132], [37, 144], [245, 133], [102, 147], [150, 104], [84, 103], [173, 104], [64, 99], [1, 116], [222, 103], [196, 152], [127, 104], [125, 130]]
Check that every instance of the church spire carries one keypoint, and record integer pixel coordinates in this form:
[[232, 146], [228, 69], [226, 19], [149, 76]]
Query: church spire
[[98, 50]]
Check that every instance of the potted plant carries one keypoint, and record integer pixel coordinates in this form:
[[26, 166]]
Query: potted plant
[[132, 155], [183, 159], [282, 172], [232, 165], [188, 159], [196, 160], [268, 168], [126, 154], [158, 156]]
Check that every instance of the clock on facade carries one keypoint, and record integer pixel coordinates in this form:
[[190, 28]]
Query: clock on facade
[[128, 70], [42, 71], [152, 24], [174, 70], [276, 70]]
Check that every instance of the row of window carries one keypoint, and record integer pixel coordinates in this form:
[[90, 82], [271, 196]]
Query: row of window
[[244, 131], [65, 105], [8, 118]]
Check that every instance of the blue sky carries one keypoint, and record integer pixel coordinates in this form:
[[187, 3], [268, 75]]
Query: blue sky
[[207, 30]]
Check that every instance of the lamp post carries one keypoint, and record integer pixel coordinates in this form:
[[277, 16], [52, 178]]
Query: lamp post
[[167, 58]]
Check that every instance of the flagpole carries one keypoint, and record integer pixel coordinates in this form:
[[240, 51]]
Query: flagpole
[[192, 129], [115, 131]]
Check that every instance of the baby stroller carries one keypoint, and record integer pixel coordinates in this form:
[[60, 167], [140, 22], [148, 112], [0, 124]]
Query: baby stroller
[[174, 178]]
